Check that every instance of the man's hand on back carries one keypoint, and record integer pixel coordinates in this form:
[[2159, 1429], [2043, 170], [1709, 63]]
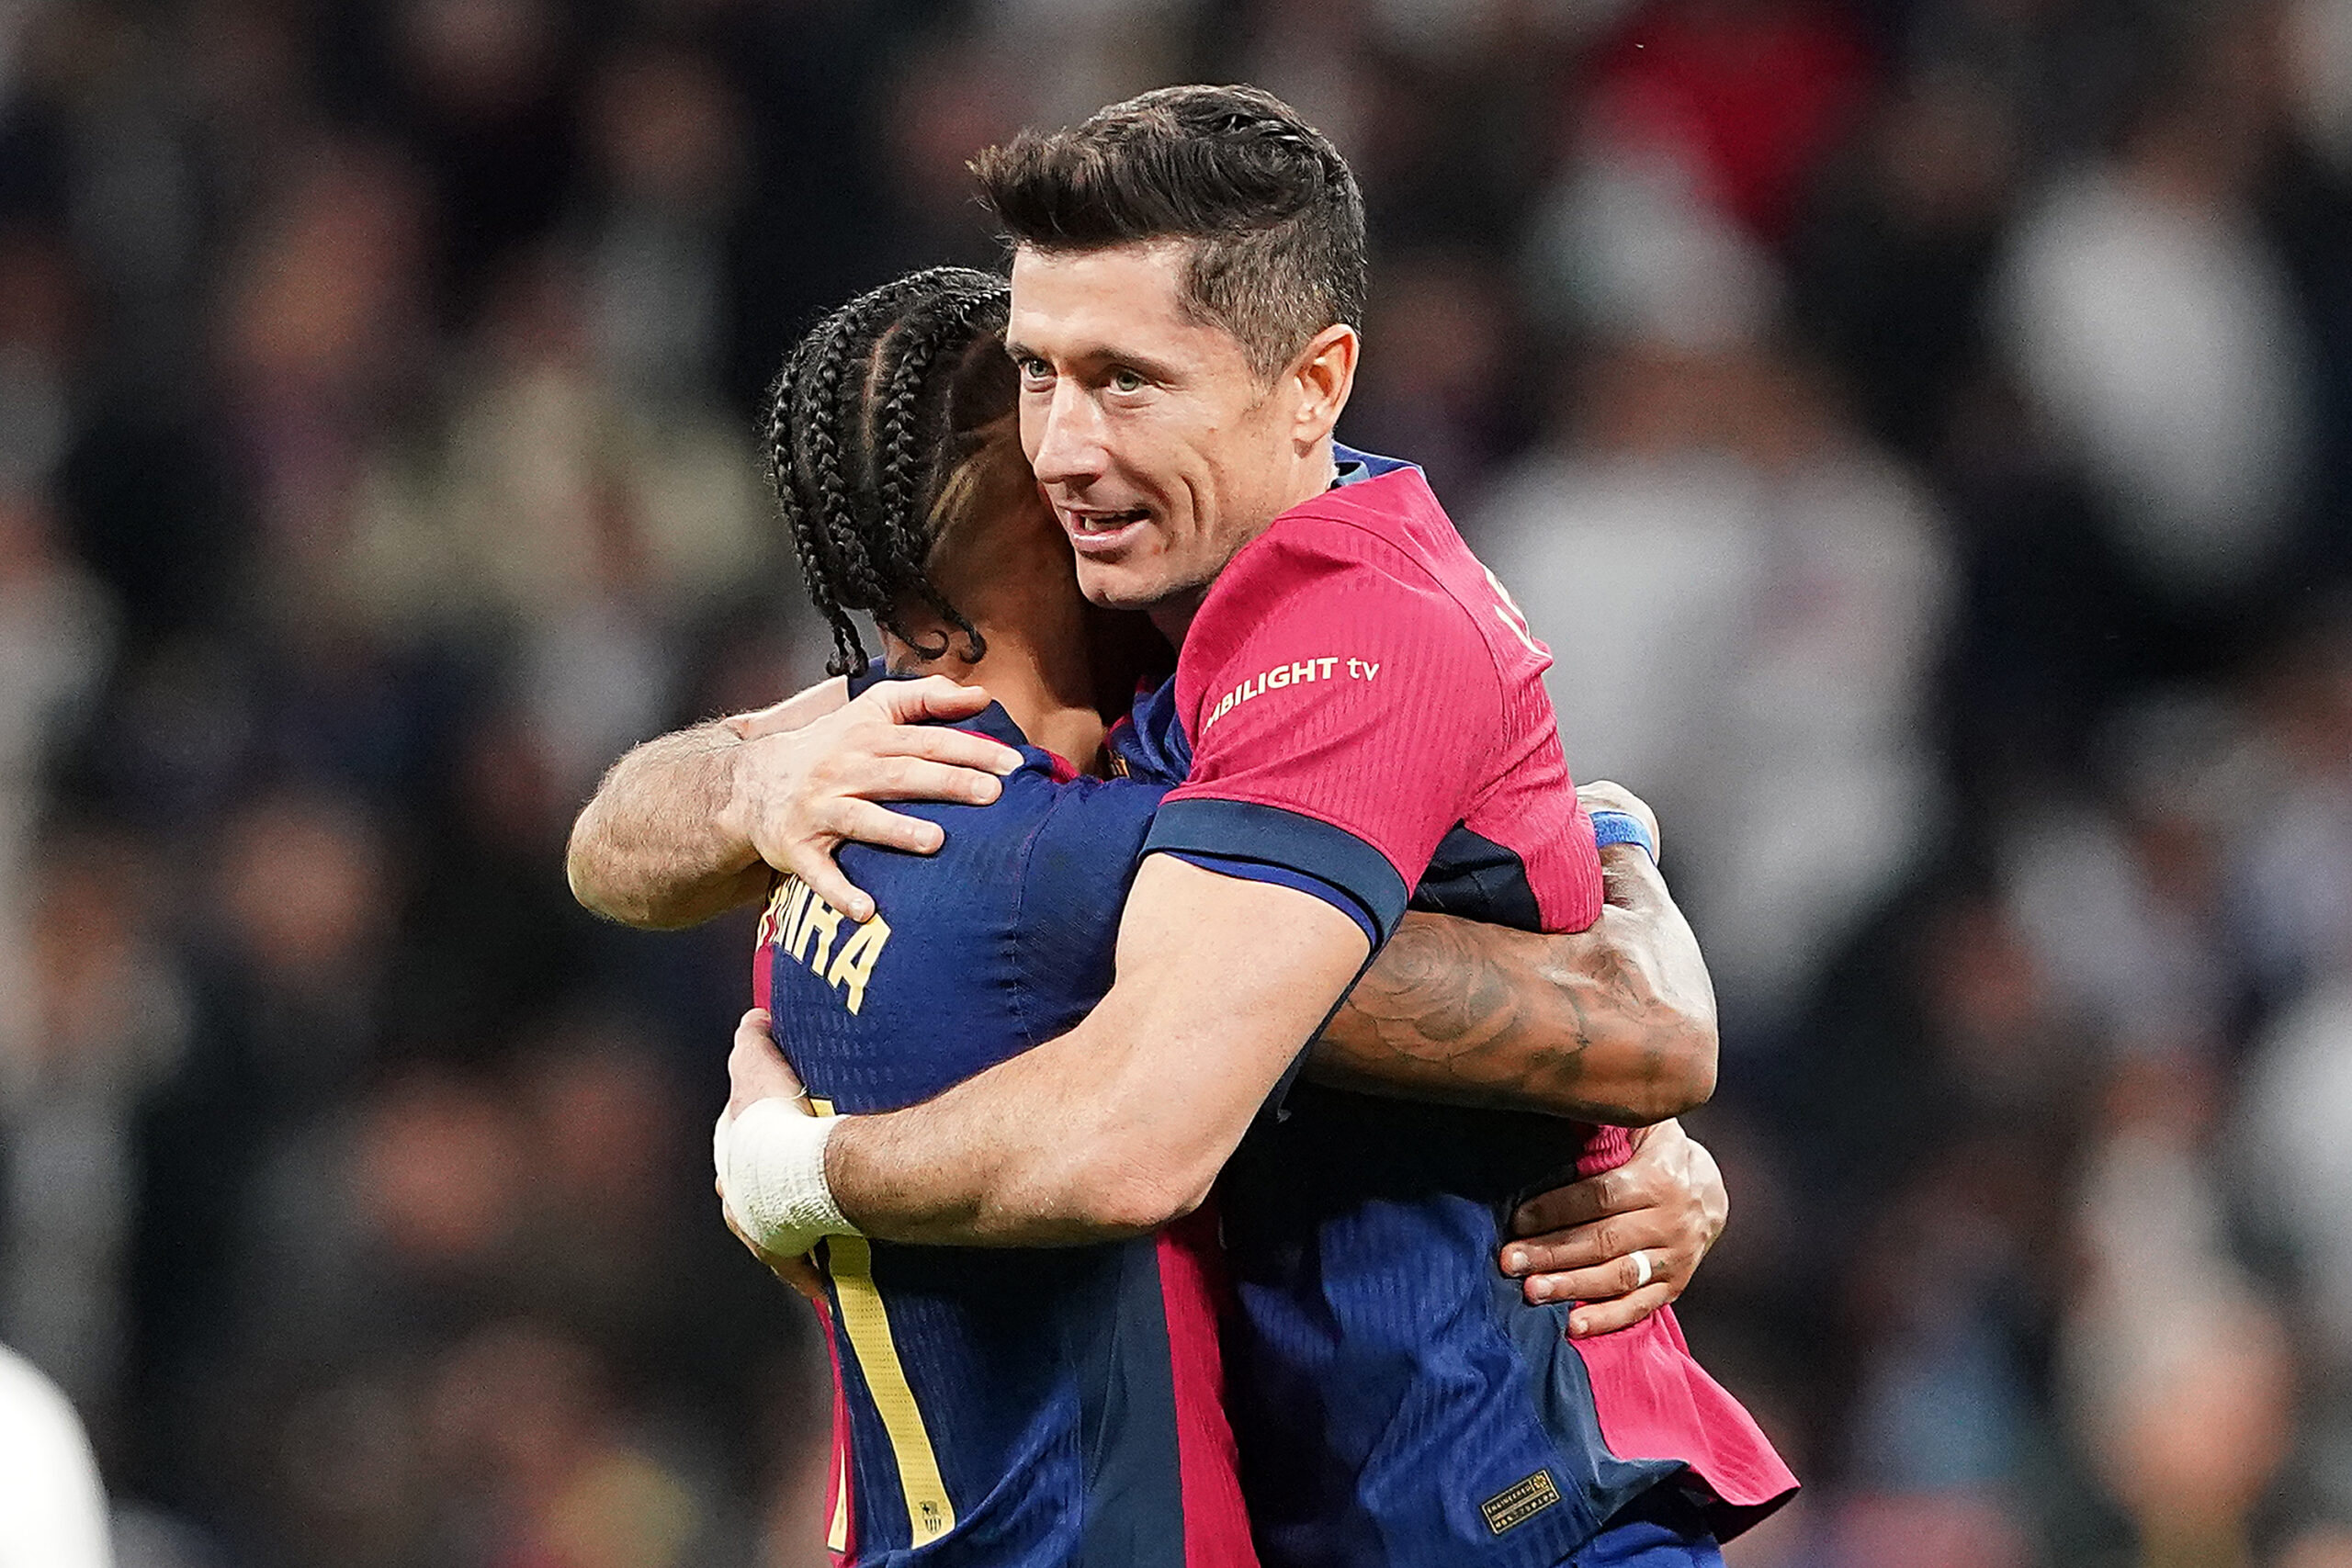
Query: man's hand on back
[[1625, 1243], [800, 793], [690, 825]]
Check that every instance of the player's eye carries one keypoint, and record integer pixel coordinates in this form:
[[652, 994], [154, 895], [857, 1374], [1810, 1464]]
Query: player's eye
[[1123, 380], [1033, 369]]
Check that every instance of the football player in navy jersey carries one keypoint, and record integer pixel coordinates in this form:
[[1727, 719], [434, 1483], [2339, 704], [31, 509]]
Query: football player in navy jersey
[[1358, 717]]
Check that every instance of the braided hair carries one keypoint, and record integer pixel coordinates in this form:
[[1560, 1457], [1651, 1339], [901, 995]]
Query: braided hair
[[875, 411]]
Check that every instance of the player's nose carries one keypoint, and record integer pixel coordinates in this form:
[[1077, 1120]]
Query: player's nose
[[1069, 446]]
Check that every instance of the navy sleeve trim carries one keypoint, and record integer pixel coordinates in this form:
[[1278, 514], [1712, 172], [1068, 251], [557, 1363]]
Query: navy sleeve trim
[[1243, 836], [1339, 898]]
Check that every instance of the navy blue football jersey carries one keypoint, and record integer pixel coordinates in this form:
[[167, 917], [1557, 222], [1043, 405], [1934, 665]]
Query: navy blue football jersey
[[1011, 1408]]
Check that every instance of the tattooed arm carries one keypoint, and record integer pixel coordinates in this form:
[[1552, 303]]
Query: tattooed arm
[[1613, 1024]]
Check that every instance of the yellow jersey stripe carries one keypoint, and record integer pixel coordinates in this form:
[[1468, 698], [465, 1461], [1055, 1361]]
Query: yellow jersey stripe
[[851, 1262], [867, 1323]]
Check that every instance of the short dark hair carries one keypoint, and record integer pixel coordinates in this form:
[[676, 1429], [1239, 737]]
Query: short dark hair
[[1273, 210], [878, 409]]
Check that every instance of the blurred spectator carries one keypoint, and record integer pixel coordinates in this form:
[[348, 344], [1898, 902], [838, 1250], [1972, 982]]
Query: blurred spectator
[[596, 528], [56, 632], [109, 1016], [1923, 430], [668, 154], [2178, 1374], [532, 1459], [2126, 907], [1890, 271], [1440, 388], [2144, 311], [1743, 596], [50, 1492]]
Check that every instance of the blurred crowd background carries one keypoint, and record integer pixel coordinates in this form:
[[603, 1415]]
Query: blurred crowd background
[[1922, 427]]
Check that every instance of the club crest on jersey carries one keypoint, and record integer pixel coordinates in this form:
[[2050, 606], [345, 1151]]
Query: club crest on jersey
[[1297, 673], [808, 929]]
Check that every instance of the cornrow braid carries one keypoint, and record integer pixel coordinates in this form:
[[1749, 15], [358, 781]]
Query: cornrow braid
[[806, 463], [873, 410], [907, 470]]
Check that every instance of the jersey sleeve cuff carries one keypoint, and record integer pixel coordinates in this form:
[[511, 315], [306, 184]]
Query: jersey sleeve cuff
[[1267, 844]]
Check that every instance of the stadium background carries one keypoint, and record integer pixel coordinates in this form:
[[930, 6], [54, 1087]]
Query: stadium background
[[1924, 428]]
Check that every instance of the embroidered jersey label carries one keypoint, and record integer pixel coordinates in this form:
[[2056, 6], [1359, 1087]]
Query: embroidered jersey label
[[1522, 1501]]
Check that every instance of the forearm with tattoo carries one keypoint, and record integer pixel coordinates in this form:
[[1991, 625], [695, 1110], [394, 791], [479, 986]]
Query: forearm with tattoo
[[1614, 1024], [656, 847]]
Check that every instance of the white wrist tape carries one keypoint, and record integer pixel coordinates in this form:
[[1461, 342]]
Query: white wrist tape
[[771, 1163]]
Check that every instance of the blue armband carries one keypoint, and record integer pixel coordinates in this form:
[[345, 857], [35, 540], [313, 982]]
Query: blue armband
[[1623, 828]]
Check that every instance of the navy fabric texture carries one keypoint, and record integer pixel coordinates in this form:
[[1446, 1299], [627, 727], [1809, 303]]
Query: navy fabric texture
[[1043, 1376]]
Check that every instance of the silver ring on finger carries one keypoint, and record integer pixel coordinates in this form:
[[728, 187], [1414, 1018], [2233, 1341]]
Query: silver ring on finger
[[1642, 1270]]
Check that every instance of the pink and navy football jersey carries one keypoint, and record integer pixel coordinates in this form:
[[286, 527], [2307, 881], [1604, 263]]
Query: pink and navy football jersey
[[1016, 1409], [1359, 712]]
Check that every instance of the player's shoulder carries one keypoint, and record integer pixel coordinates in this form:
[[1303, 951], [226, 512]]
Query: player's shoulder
[[1390, 526], [1373, 560], [1335, 556]]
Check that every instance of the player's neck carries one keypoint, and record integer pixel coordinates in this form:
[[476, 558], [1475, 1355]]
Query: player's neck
[[1045, 685], [1040, 698], [1318, 471], [1016, 581]]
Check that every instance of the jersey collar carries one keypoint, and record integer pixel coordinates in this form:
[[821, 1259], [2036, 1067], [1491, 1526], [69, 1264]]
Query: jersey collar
[[992, 721], [1356, 467]]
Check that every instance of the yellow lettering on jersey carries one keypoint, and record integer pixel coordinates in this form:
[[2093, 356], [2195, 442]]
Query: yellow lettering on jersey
[[867, 1323], [788, 932], [808, 928], [855, 964], [822, 921], [772, 917]]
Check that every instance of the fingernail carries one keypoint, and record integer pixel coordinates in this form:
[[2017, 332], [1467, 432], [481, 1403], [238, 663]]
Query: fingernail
[[1538, 1289], [1577, 1327], [1514, 1261], [1007, 762]]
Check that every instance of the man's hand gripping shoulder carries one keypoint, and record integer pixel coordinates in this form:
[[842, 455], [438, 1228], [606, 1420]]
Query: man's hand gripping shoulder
[[696, 823]]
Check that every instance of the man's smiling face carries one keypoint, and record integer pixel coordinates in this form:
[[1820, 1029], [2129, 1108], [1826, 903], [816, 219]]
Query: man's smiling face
[[1160, 449]]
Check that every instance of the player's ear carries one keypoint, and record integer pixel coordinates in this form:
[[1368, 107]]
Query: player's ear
[[1323, 374]]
